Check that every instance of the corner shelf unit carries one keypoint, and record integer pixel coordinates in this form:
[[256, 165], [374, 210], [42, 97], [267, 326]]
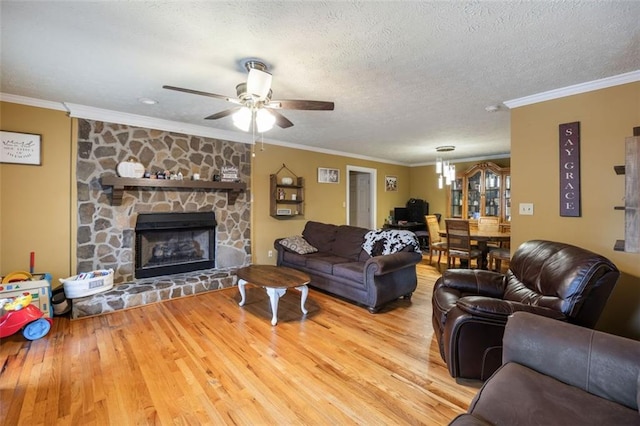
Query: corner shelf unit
[[286, 201], [631, 171], [119, 185]]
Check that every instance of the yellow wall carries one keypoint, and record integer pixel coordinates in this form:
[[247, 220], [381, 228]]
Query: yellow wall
[[323, 202], [35, 201], [606, 117]]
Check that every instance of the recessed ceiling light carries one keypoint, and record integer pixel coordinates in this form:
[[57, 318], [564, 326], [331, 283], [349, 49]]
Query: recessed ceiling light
[[147, 101]]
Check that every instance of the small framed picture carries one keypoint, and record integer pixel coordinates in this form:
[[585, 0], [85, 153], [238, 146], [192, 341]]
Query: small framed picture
[[326, 175], [19, 148], [390, 183]]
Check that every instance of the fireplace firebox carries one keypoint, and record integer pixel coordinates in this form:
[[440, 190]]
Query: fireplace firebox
[[172, 243]]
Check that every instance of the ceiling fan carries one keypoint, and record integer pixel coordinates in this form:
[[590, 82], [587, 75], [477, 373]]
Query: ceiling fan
[[254, 103]]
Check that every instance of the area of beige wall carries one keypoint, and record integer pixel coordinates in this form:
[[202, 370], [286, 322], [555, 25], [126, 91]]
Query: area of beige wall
[[35, 210], [323, 202], [606, 118]]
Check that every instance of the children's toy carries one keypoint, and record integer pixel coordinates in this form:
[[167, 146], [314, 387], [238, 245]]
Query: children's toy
[[18, 313], [40, 291]]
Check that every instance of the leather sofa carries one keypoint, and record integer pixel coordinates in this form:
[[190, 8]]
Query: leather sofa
[[342, 267], [551, 279], [556, 373]]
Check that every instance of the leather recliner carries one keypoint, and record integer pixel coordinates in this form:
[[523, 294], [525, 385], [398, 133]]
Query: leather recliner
[[471, 307]]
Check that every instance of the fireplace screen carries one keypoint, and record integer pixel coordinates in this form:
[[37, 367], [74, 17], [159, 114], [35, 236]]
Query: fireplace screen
[[170, 243]]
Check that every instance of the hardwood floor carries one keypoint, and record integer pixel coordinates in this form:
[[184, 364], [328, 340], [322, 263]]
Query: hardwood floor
[[205, 360]]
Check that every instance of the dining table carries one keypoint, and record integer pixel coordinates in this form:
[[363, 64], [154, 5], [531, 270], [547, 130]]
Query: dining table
[[482, 238]]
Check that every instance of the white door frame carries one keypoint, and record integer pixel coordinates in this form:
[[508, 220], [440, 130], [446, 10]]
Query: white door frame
[[373, 188]]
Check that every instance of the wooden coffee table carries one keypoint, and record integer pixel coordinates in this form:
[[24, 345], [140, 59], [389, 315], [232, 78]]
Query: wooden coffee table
[[276, 280]]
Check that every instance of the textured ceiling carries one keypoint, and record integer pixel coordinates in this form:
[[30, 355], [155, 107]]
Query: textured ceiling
[[405, 77]]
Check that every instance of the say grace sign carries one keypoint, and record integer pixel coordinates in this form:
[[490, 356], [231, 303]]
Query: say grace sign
[[570, 169]]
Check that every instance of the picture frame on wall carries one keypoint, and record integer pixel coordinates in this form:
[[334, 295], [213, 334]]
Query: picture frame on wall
[[390, 183], [326, 175], [20, 148]]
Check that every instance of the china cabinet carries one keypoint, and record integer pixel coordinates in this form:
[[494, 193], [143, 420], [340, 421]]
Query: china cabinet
[[483, 190]]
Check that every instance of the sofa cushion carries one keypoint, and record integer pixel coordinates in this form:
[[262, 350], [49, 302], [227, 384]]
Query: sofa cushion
[[298, 244], [348, 242], [294, 258], [518, 395], [350, 270], [324, 263], [320, 235]]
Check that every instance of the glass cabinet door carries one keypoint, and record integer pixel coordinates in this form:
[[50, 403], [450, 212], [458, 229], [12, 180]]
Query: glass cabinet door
[[491, 193], [473, 195], [456, 198]]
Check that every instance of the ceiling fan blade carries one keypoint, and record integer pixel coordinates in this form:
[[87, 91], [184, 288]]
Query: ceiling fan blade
[[222, 114], [300, 104], [281, 120], [197, 92]]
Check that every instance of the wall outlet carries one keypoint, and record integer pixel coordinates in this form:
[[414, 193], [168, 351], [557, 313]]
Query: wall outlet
[[270, 253], [526, 209]]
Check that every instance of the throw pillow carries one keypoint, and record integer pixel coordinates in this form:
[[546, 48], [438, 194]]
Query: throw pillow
[[298, 244]]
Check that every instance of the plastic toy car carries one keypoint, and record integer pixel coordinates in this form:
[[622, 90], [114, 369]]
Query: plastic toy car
[[18, 314]]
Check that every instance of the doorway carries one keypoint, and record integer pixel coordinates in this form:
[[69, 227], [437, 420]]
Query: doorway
[[361, 197]]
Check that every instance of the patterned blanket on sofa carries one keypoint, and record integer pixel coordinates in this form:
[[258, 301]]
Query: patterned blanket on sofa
[[387, 241]]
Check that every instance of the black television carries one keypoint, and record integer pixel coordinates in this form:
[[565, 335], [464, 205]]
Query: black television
[[400, 213]]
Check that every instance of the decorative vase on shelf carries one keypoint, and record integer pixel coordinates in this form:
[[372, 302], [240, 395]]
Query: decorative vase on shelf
[[287, 181]]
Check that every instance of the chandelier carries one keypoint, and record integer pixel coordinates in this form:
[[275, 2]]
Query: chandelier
[[444, 169]]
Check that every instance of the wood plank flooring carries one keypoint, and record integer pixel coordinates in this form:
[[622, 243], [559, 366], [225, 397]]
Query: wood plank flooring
[[204, 360]]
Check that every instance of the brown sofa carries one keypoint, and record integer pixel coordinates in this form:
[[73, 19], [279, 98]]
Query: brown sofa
[[552, 279], [342, 267], [555, 373]]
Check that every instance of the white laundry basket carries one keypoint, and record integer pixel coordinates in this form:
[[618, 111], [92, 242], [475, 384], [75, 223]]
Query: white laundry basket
[[87, 283]]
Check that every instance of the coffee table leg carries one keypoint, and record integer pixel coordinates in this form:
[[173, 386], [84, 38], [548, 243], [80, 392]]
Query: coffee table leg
[[274, 296], [303, 297], [241, 284]]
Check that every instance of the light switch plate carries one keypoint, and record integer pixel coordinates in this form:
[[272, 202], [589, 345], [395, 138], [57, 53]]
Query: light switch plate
[[526, 209]]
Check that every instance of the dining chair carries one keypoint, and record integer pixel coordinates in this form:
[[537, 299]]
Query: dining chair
[[436, 242], [498, 257], [459, 243], [490, 224]]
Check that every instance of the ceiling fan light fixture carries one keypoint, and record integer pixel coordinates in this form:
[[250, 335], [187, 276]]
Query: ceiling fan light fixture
[[264, 120], [259, 83], [242, 119]]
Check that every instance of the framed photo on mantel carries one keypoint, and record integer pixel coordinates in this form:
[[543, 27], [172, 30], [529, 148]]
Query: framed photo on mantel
[[19, 148]]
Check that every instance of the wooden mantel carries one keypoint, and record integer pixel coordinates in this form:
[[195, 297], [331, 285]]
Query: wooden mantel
[[119, 184]]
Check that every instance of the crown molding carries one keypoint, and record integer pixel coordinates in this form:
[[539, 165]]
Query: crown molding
[[576, 89], [91, 113], [24, 100]]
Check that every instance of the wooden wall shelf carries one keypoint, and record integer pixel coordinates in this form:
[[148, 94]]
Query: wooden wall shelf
[[119, 184], [631, 172]]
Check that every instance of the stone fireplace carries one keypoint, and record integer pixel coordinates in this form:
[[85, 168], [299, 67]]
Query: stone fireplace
[[106, 233]]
